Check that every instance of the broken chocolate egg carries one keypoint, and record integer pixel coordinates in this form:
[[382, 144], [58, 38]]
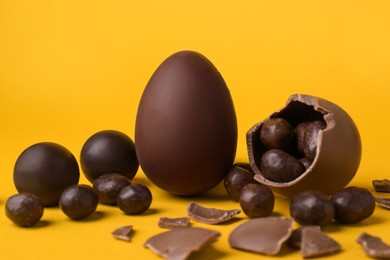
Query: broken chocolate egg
[[333, 142], [186, 126]]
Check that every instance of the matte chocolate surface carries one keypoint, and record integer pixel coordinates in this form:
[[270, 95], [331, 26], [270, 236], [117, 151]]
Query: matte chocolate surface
[[373, 246], [170, 223], [179, 243], [316, 243], [45, 170], [381, 185], [338, 147], [262, 235], [295, 240], [186, 126], [123, 233], [210, 215]]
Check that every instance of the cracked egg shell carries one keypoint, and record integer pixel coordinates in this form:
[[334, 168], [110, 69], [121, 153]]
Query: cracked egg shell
[[186, 126], [338, 150]]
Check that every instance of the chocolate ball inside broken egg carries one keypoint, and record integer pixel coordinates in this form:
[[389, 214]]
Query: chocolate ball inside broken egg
[[186, 127], [326, 142]]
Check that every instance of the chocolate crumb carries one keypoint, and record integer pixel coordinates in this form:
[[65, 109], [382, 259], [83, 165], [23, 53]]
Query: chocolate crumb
[[262, 235], [384, 202], [374, 246], [381, 185], [316, 243], [123, 233], [210, 215], [179, 243], [174, 222]]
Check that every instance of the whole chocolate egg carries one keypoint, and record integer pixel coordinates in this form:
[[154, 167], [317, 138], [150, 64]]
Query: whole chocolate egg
[[332, 137], [186, 126]]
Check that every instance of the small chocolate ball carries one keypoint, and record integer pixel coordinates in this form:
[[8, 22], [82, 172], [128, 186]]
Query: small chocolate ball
[[134, 199], [24, 209], [78, 201], [257, 200], [280, 166], [353, 204], [108, 151], [45, 170], [235, 180], [312, 208], [108, 186], [277, 133], [244, 165], [307, 137]]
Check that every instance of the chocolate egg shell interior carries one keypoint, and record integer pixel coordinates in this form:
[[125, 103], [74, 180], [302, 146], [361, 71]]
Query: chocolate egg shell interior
[[338, 151]]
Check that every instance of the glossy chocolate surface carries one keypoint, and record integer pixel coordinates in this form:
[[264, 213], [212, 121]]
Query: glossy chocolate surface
[[210, 215], [108, 151], [338, 150], [45, 170], [186, 127]]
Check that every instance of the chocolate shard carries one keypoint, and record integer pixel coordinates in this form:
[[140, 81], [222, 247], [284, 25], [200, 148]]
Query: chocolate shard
[[262, 235], [316, 243], [384, 202], [123, 233], [381, 185], [170, 223], [374, 246], [179, 243], [210, 215], [295, 240]]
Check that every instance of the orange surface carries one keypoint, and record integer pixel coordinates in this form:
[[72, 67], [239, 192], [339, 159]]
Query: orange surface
[[71, 68]]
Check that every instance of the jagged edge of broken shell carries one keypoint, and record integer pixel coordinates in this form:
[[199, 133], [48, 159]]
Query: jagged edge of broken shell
[[254, 234], [210, 215], [305, 99], [179, 243]]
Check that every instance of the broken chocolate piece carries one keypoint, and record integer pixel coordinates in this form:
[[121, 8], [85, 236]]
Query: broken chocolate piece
[[210, 215], [374, 246], [384, 202], [316, 243], [381, 185], [262, 235], [123, 233], [295, 240], [179, 243], [174, 222]]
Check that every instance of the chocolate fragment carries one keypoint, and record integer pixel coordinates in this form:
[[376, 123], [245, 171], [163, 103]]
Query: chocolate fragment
[[374, 246], [295, 240], [179, 243], [210, 215], [262, 235], [123, 233], [384, 202], [381, 185], [174, 222], [316, 243]]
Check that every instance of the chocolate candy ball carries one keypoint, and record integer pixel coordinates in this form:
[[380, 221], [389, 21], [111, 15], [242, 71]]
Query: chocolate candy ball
[[108, 186], [134, 199], [235, 180], [277, 133], [353, 204], [257, 200], [108, 151], [24, 209], [312, 208], [45, 170], [78, 201]]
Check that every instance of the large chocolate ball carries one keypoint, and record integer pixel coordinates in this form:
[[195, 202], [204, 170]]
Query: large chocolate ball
[[45, 170], [108, 151]]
